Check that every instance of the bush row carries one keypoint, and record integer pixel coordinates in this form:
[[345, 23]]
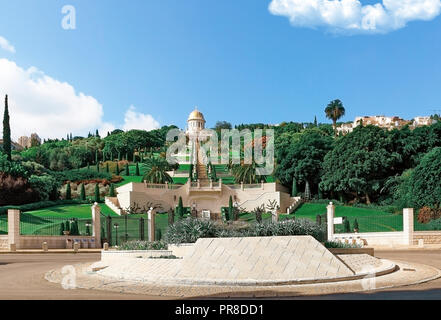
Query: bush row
[[190, 230]]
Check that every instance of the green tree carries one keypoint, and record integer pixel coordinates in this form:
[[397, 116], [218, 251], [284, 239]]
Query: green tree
[[62, 229], [335, 111], [97, 193], [346, 225], [157, 171], [180, 208], [68, 192], [117, 169], [67, 226], [112, 191], [423, 187], [82, 192], [294, 188], [107, 167], [137, 170], [302, 158], [7, 145], [127, 170], [230, 208], [360, 163]]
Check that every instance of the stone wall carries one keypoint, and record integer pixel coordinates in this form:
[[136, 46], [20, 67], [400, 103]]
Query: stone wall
[[429, 237], [248, 197], [54, 242], [4, 242]]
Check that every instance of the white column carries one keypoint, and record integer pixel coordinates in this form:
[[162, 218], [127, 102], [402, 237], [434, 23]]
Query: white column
[[14, 228], [330, 217], [408, 226], [96, 224], [151, 225]]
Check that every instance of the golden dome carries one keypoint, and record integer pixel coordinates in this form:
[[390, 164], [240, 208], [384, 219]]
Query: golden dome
[[196, 115]]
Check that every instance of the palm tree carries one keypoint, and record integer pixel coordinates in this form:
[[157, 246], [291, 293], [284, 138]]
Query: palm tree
[[335, 111], [157, 171], [246, 173]]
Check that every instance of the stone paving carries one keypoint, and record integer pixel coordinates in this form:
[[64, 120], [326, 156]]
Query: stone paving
[[407, 274], [265, 266]]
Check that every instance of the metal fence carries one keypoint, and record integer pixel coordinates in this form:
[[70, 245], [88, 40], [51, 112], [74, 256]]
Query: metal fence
[[116, 230], [54, 226], [4, 224], [373, 223]]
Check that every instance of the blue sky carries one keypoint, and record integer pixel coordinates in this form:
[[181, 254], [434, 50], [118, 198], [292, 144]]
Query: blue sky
[[234, 59]]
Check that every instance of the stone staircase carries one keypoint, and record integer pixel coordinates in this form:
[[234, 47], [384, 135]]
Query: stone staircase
[[293, 207], [113, 203]]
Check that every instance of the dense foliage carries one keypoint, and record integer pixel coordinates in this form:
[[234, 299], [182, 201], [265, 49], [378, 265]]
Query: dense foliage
[[190, 230]]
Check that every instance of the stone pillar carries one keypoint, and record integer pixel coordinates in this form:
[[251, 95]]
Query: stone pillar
[[151, 225], [330, 218], [408, 226], [14, 227], [96, 224]]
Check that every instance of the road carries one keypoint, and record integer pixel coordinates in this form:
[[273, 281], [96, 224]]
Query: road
[[22, 277]]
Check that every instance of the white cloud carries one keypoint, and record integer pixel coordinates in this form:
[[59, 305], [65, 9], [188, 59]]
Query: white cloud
[[5, 45], [351, 16], [51, 108], [137, 120]]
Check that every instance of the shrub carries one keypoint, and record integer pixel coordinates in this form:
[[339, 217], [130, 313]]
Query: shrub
[[356, 227], [340, 245], [143, 245], [190, 230], [434, 224], [426, 214]]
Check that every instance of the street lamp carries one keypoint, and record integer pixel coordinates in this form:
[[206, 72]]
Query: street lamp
[[88, 225], [116, 226]]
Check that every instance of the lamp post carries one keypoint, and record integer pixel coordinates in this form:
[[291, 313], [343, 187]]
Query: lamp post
[[116, 226], [88, 225]]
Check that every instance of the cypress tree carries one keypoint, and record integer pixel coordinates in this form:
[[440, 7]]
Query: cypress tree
[[88, 166], [97, 134], [6, 131], [97, 167], [230, 208], [347, 225], [180, 208], [61, 229], [68, 192], [107, 167], [96, 156], [137, 170], [294, 187], [307, 191], [97, 193], [112, 191], [315, 121], [67, 226], [83, 192], [127, 170], [117, 169]]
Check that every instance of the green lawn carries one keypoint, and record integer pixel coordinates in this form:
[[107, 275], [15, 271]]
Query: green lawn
[[369, 220], [47, 221]]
